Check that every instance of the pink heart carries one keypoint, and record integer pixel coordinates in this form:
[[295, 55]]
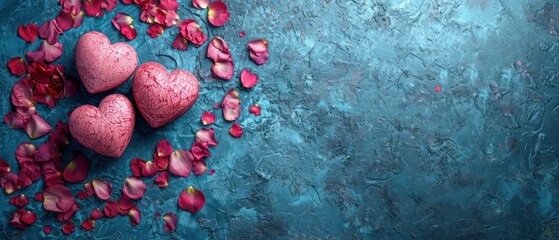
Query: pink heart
[[163, 97], [106, 130], [103, 66]]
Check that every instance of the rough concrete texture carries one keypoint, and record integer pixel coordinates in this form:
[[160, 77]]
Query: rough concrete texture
[[353, 141]]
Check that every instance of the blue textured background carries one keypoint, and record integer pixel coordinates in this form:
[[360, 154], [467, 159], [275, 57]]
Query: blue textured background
[[353, 141]]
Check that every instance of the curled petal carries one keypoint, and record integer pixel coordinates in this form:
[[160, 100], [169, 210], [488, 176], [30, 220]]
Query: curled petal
[[218, 51], [9, 183], [22, 95], [129, 32], [201, 4], [208, 118], [191, 30], [162, 180], [156, 30], [102, 188], [29, 217], [218, 13], [168, 5], [88, 224], [164, 148], [4, 167], [200, 167], [93, 8], [96, 213], [51, 52], [65, 216], [248, 79], [231, 105], [180, 163], [180, 43], [124, 204], [199, 151], [161, 163], [122, 19], [20, 200], [255, 109], [16, 220], [170, 222], [111, 209], [259, 51], [134, 188], [108, 5], [136, 166], [192, 200], [206, 136], [37, 127], [28, 33], [17, 66], [58, 198], [134, 216], [65, 19], [15, 120], [68, 228], [50, 31], [236, 130], [223, 70], [35, 56], [77, 170]]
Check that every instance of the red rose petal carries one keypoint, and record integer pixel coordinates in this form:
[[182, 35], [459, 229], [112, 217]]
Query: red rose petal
[[15, 120], [108, 5], [180, 43], [218, 13], [96, 213], [81, 195], [192, 200], [236, 130], [206, 136], [65, 19], [51, 52], [28, 33], [169, 5], [170, 222], [77, 170], [255, 109], [88, 224], [164, 148], [134, 188], [88, 186], [161, 163], [191, 30], [136, 165], [46, 229], [29, 217], [231, 105], [180, 163], [212, 172], [16, 219], [37, 127], [200, 167], [258, 51], [59, 137], [223, 70], [129, 32], [58, 198], [150, 169], [9, 183], [68, 228], [25, 153], [20, 200], [36, 56], [134, 216], [199, 151], [248, 79], [93, 8], [22, 95], [156, 30], [4, 167], [111, 209], [162, 180], [39, 197], [50, 31], [65, 216], [208, 118], [102, 188], [122, 19], [17, 66], [124, 204], [200, 4], [218, 51]]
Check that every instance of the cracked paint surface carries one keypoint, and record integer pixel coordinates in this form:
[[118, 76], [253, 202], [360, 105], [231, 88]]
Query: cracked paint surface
[[106, 130], [162, 97], [103, 66]]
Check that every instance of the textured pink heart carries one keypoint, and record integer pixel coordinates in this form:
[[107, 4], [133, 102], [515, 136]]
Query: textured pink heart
[[162, 97], [106, 130], [103, 66]]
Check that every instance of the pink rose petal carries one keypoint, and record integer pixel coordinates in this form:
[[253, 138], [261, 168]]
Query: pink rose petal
[[102, 188], [134, 188], [218, 13], [17, 66], [162, 180], [134, 216], [170, 222], [192, 200], [111, 209], [255, 109], [77, 170], [206, 136], [208, 118], [180, 163], [236, 130], [57, 198], [248, 79], [200, 167], [37, 127], [199, 151], [97, 213], [231, 105], [50, 31], [200, 4], [258, 51], [223, 70], [218, 51]]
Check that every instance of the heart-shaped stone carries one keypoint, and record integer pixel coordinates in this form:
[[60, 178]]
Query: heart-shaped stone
[[162, 97], [106, 130], [103, 66]]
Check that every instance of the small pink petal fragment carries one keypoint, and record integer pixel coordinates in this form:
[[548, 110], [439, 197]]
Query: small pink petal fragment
[[438, 88], [223, 70], [28, 33], [134, 188], [96, 213], [88, 224], [170, 222], [218, 13], [192, 200], [58, 198], [68, 228], [122, 19], [46, 229], [162, 180], [200, 4], [255, 109], [248, 79], [206, 136], [38, 197], [77, 170], [212, 172], [134, 216], [242, 34], [102, 188], [231, 105], [259, 51], [208, 118], [200, 167], [180, 163], [236, 130], [17, 66]]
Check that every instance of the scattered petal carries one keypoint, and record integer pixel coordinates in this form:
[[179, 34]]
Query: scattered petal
[[4, 167], [96, 213], [9, 183], [88, 224], [136, 166], [124, 204], [68, 228], [218, 13], [242, 34], [111, 209], [102, 188], [170, 222], [50, 31], [16, 220], [35, 56], [212, 172], [29, 217], [190, 29], [200, 4], [134, 216], [200, 167], [59, 137], [93, 8], [161, 163], [218, 51], [37, 127], [208, 118], [129, 32], [81, 195], [134, 188], [206, 136], [180, 43], [180, 163], [162, 180], [223, 70], [164, 148], [65, 19], [88, 186], [258, 51], [438, 88], [122, 19], [199, 151], [39, 197], [77, 170], [156, 30], [17, 66], [236, 130], [231, 105], [46, 229], [20, 200], [28, 33], [16, 120], [65, 216], [25, 153], [255, 109], [108, 5], [58, 198], [22, 95], [248, 79], [149, 169], [51, 52], [192, 200]]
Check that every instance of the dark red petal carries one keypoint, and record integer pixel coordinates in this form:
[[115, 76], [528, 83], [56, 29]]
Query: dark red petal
[[96, 213], [199, 151], [17, 66], [200, 167], [81, 195], [59, 137], [164, 148], [248, 79], [65, 19], [191, 30], [212, 172], [37, 127], [22, 95], [218, 51], [78, 19], [162, 180], [150, 169], [25, 153], [223, 70], [255, 109], [168, 5], [136, 165], [122, 19], [20, 200], [192, 200], [4, 167], [111, 209], [29, 217], [218, 13], [134, 188], [161, 163], [201, 4], [28, 33], [93, 8], [46, 229], [68, 228], [58, 198], [180, 163], [35, 56], [236, 130], [108, 5], [208, 118], [155, 30], [180, 43], [50, 31], [170, 222], [258, 51], [9, 183], [124, 204], [88, 186], [16, 220], [15, 120], [68, 214], [206, 136], [102, 188], [129, 32], [88, 224], [134, 216], [231, 105], [77, 170], [39, 197], [51, 52]]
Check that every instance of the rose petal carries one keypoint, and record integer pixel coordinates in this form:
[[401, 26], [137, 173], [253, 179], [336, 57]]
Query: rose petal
[[231, 105], [258, 51], [111, 209], [199, 151], [39, 197], [81, 195], [50, 31], [218, 51], [223, 70], [57, 198], [16, 220], [108, 5], [96, 213], [37, 127], [78, 19], [29, 217], [122, 19], [150, 169], [236, 130], [134, 216], [162, 180], [9, 183], [161, 163], [88, 186], [124, 204], [208, 118], [77, 170], [136, 165], [206, 136], [170, 222], [218, 13], [93, 8], [248, 79], [25, 153], [168, 5], [15, 120], [22, 95], [255, 109], [200, 167], [88, 224], [134, 188], [212, 172], [20, 200], [65, 216], [4, 167], [192, 200], [28, 33], [35, 56], [155, 30], [17, 66], [164, 148], [51, 52], [200, 4], [59, 137], [68, 228], [241, 34], [46, 230], [102, 188], [180, 43], [180, 163], [190, 29], [65, 19]]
